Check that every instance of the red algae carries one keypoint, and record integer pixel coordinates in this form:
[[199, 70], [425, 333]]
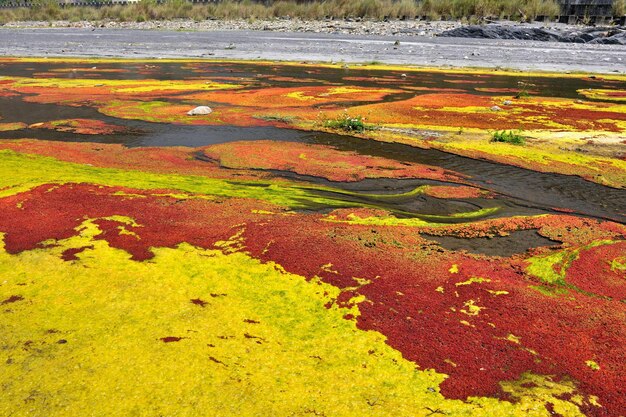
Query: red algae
[[438, 307], [12, 299], [162, 160], [161, 221], [170, 339]]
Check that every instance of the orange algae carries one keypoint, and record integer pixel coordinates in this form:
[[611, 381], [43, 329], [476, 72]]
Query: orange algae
[[7, 127], [472, 111], [464, 191], [383, 103], [319, 161], [80, 126], [280, 97], [177, 160]]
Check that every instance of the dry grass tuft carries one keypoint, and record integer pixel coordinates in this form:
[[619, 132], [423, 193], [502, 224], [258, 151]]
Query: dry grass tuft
[[467, 10]]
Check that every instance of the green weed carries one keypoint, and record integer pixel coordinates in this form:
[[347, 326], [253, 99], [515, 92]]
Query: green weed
[[348, 123], [514, 138]]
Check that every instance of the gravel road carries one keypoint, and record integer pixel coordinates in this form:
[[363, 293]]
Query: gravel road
[[298, 46]]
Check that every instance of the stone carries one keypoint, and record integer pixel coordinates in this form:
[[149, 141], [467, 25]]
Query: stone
[[507, 102], [200, 111], [496, 108]]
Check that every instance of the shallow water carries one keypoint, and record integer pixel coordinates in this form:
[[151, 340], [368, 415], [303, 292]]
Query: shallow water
[[515, 243]]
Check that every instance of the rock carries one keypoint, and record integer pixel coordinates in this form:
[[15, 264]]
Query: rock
[[200, 111], [506, 103], [495, 108], [594, 35]]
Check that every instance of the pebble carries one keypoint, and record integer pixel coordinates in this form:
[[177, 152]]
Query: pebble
[[362, 27]]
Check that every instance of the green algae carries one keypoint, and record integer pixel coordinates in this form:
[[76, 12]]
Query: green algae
[[552, 269], [419, 220], [22, 172]]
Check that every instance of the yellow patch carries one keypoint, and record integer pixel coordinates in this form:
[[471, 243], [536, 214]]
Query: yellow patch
[[198, 332], [471, 309], [472, 280]]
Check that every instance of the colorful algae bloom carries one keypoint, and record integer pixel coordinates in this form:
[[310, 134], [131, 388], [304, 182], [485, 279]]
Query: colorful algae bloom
[[319, 244]]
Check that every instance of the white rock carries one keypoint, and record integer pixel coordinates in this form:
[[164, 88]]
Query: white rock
[[200, 111]]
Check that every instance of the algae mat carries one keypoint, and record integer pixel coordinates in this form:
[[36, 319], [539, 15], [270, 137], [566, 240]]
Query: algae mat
[[294, 278]]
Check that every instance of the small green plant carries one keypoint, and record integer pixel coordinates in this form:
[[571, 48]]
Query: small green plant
[[275, 118], [348, 123], [523, 92], [514, 138]]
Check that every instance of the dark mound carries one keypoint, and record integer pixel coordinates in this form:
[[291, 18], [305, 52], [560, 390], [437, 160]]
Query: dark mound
[[597, 35]]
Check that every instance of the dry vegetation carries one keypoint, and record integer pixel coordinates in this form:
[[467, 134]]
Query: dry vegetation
[[473, 10]]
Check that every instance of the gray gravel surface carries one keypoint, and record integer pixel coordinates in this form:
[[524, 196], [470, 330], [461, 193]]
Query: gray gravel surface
[[420, 50]]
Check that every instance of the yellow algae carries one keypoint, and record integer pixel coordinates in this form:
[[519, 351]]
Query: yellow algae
[[619, 264], [515, 339], [420, 220], [543, 154], [104, 335], [120, 86], [440, 289], [21, 172], [454, 269], [533, 391], [471, 309], [603, 94], [235, 243], [497, 292], [365, 281], [593, 365], [129, 195], [594, 400], [473, 280], [300, 95], [353, 90], [328, 268], [537, 155]]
